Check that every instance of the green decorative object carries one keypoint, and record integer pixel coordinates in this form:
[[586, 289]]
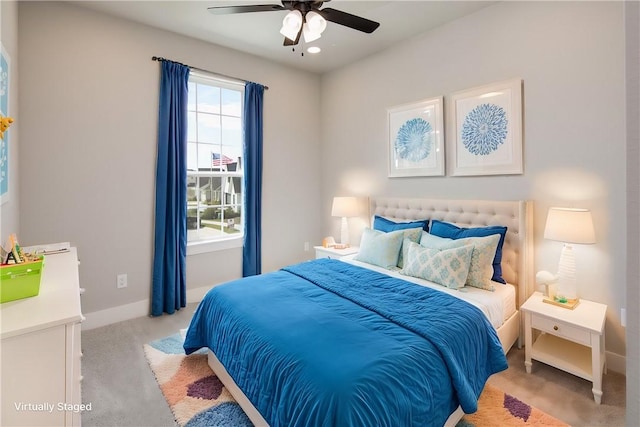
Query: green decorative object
[[19, 281]]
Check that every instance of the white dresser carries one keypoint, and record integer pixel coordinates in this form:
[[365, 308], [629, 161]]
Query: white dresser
[[40, 350]]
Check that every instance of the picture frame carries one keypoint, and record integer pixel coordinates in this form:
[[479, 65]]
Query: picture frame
[[416, 139], [485, 130], [5, 62]]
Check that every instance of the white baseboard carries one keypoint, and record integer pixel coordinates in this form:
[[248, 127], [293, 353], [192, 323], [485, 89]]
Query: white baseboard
[[616, 363], [133, 310], [196, 295]]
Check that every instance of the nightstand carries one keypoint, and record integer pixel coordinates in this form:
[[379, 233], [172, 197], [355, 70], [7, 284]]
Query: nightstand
[[570, 340], [322, 252]]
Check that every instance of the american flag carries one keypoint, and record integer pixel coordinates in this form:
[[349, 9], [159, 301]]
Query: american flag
[[217, 160]]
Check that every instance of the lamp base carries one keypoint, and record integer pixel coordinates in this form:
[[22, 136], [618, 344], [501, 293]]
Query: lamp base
[[564, 303], [344, 233]]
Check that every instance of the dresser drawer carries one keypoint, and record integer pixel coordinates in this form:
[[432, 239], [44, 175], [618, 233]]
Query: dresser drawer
[[561, 329]]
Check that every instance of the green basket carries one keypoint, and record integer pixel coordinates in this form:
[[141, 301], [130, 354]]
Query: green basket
[[19, 281]]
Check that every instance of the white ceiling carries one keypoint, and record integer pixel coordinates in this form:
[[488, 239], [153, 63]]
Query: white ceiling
[[258, 33]]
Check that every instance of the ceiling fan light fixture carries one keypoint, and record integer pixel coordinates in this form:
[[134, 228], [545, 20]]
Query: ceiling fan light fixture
[[309, 35], [316, 21], [313, 27], [291, 24]]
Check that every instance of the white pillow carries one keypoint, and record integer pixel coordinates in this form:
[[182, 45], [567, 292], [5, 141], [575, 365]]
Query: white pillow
[[380, 248], [436, 242], [484, 249], [447, 267]]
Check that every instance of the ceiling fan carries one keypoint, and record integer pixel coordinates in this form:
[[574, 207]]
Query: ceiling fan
[[304, 18]]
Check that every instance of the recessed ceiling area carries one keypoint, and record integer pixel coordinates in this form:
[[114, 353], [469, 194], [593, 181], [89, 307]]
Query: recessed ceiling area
[[258, 33]]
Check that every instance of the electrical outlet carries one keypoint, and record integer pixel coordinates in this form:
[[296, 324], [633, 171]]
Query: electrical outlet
[[122, 281], [306, 246], [623, 317]]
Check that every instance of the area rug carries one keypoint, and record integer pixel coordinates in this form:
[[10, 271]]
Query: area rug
[[496, 408], [197, 398], [194, 393]]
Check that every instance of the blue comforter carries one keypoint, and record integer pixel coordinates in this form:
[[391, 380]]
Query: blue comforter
[[326, 343]]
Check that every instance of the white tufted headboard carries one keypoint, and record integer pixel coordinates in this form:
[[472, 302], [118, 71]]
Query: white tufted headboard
[[517, 216]]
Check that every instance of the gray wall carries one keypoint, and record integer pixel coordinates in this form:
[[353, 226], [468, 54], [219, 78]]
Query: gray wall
[[89, 100], [9, 217], [574, 100], [570, 56], [632, 33]]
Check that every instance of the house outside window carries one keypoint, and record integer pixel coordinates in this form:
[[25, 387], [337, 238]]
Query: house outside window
[[214, 164]]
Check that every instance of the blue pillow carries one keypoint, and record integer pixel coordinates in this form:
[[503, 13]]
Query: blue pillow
[[445, 229], [386, 225]]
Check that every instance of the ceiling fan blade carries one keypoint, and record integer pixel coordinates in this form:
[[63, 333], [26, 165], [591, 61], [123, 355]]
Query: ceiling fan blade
[[289, 42], [349, 20], [225, 10]]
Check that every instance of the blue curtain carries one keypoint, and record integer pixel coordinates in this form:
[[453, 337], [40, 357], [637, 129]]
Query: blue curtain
[[169, 273], [252, 189]]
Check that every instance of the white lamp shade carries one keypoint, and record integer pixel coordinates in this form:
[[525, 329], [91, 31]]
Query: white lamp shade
[[570, 226], [345, 207], [313, 27], [291, 24]]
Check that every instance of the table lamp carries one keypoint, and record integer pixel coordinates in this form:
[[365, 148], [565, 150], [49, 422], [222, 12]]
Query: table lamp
[[568, 226], [344, 207]]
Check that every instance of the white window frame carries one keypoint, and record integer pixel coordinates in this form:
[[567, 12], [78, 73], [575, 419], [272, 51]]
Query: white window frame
[[222, 243]]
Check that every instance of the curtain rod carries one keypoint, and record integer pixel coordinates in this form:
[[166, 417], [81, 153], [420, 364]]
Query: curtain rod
[[160, 59]]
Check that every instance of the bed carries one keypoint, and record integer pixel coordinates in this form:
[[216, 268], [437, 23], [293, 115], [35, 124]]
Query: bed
[[268, 336]]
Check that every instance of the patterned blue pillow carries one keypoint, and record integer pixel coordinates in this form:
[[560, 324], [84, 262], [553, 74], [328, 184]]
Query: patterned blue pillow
[[412, 235], [380, 248], [447, 267], [445, 229], [484, 249], [481, 269]]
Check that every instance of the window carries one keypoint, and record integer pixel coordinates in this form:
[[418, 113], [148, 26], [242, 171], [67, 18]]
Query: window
[[214, 160]]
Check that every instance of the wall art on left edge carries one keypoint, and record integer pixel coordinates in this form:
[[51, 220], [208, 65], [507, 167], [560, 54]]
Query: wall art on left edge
[[4, 111], [416, 139], [485, 129]]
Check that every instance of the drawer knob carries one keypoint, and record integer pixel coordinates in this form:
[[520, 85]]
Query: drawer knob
[[555, 328]]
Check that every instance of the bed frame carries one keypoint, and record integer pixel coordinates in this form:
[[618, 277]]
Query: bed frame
[[517, 262]]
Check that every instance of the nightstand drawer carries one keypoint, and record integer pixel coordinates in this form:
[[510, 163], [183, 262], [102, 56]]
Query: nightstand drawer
[[561, 329]]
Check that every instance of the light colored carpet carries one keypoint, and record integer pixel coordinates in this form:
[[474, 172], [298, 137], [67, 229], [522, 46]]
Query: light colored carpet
[[124, 392], [563, 395]]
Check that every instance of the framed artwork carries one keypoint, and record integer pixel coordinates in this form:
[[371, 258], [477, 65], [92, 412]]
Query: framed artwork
[[416, 139], [485, 124], [4, 111]]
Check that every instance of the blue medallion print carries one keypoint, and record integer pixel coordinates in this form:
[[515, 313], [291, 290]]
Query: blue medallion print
[[484, 129], [413, 140]]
